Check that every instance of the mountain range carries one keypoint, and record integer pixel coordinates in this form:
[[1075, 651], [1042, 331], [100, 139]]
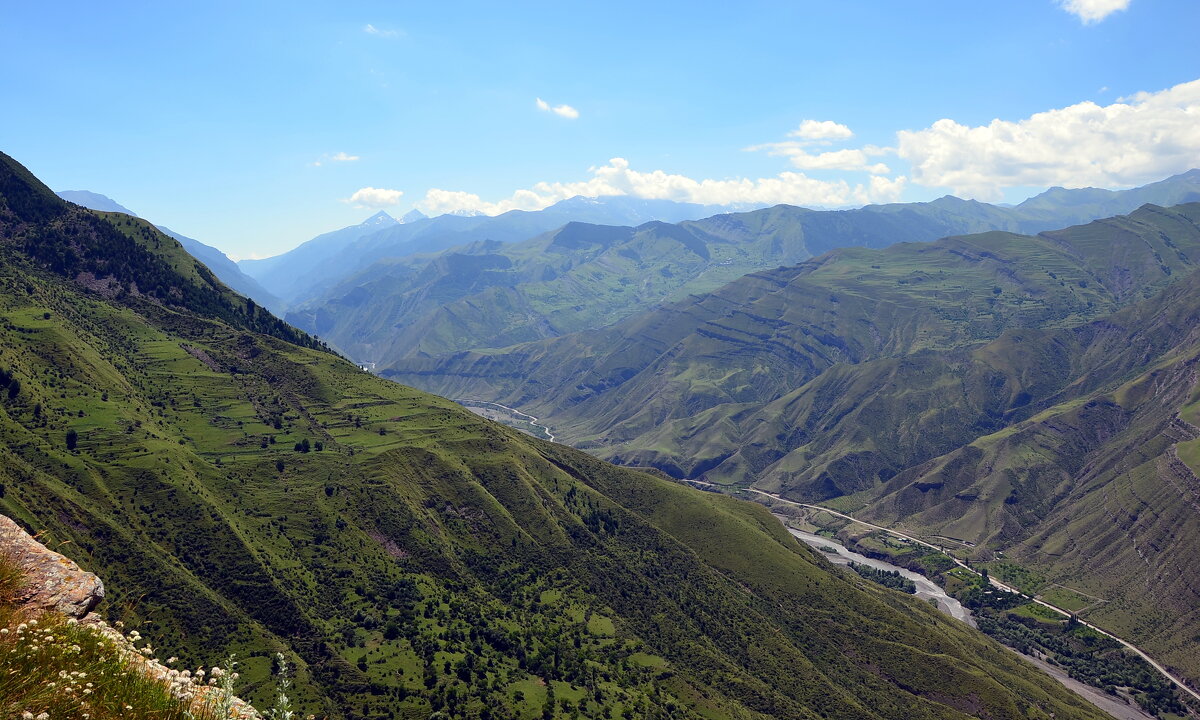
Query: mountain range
[[244, 490], [583, 276], [304, 272]]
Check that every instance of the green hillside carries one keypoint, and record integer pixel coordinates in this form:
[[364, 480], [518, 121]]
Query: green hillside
[[641, 385], [1003, 389], [243, 493]]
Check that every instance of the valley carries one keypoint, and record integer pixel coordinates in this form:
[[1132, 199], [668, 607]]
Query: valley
[[1021, 394], [252, 493], [609, 361], [508, 416]]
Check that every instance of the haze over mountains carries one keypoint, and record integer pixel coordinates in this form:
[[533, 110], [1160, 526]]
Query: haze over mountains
[[242, 489], [304, 272], [584, 275], [213, 258]]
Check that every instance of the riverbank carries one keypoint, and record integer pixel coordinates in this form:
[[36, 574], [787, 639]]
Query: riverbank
[[512, 417], [926, 588]]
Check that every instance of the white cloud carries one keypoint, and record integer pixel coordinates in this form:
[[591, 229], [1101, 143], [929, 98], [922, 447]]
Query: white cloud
[[848, 159], [880, 189], [821, 130], [380, 32], [561, 110], [617, 178], [1134, 140], [374, 197], [1093, 11], [825, 132], [338, 158]]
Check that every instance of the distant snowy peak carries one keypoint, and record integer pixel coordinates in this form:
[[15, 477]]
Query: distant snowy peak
[[412, 216], [380, 220]]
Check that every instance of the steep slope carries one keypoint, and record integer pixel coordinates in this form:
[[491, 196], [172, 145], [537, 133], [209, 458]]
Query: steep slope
[[244, 493], [1096, 492], [225, 269]]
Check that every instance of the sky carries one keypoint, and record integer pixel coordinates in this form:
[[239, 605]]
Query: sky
[[253, 126]]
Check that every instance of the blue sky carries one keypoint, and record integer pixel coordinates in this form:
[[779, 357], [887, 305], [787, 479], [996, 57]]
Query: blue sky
[[253, 126]]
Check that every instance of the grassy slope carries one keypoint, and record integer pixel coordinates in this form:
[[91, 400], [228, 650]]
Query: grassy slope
[[426, 558], [888, 390]]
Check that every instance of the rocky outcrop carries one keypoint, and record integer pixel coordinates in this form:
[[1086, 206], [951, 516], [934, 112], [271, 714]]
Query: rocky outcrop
[[53, 582]]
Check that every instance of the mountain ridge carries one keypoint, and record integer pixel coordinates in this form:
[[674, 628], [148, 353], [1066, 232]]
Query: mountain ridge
[[299, 274], [494, 294], [214, 259]]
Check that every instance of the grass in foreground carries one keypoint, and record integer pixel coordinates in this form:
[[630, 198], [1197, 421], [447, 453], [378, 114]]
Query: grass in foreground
[[53, 668]]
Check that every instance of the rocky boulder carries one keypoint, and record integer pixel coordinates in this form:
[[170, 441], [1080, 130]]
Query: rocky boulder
[[53, 582]]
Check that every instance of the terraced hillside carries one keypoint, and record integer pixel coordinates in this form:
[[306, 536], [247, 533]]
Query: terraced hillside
[[247, 492]]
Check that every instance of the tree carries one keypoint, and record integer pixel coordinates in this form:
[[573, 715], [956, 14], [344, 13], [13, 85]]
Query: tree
[[302, 446], [72, 439], [14, 389]]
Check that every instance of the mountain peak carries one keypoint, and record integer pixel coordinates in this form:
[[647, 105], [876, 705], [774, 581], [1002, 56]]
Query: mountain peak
[[412, 216], [380, 219]]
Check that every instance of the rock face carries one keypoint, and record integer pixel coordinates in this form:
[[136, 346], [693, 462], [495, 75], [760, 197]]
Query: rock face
[[53, 582]]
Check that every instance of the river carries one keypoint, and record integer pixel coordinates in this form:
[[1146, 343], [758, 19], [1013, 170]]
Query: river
[[926, 588]]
